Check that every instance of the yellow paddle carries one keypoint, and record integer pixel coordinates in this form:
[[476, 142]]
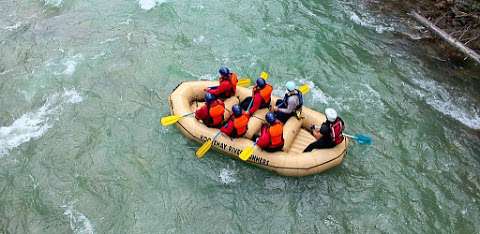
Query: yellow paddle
[[169, 120], [264, 75], [246, 81], [304, 89], [247, 152], [206, 146]]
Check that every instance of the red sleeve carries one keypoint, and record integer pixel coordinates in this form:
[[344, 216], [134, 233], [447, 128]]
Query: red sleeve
[[257, 101], [222, 88], [202, 113], [228, 128], [264, 139]]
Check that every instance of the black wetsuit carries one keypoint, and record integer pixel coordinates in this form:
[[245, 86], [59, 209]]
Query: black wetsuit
[[326, 140]]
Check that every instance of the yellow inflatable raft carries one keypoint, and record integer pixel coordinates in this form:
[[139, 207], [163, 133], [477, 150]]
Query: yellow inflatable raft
[[291, 161]]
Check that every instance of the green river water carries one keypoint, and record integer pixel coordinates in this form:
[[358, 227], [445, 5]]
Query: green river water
[[83, 85]]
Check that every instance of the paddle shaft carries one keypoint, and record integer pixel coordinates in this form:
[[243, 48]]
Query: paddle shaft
[[216, 135], [350, 136], [250, 105]]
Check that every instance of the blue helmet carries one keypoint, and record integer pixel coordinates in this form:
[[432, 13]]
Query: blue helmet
[[261, 82], [209, 98], [270, 116], [224, 71], [237, 111]]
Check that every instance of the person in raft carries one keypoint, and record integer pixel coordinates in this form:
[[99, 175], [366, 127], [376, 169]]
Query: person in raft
[[290, 104], [228, 84], [329, 134], [271, 136], [211, 114], [261, 95], [237, 124]]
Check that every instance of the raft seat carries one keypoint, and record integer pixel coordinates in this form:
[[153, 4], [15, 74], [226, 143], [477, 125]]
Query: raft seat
[[290, 130], [303, 139], [255, 123]]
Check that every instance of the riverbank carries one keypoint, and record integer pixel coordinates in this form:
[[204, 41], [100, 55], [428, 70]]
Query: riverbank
[[460, 19]]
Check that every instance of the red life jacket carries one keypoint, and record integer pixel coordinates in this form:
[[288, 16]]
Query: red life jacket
[[336, 129], [266, 93], [240, 124], [276, 134], [232, 78], [215, 111]]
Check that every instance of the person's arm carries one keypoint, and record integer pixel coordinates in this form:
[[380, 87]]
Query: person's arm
[[222, 88], [325, 129], [228, 128], [316, 133], [257, 101], [202, 112], [292, 105], [263, 141]]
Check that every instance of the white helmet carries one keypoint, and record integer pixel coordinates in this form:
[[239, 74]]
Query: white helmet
[[331, 114], [291, 86]]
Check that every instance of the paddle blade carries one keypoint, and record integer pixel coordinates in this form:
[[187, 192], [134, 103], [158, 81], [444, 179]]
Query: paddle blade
[[304, 89], [204, 149], [169, 120], [244, 82], [246, 153], [363, 139], [264, 75]]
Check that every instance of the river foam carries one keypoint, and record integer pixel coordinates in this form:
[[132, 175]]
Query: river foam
[[316, 93], [457, 107], [13, 27], [33, 125], [227, 176], [79, 223], [207, 77], [368, 21], [470, 117], [54, 3], [149, 4], [65, 66]]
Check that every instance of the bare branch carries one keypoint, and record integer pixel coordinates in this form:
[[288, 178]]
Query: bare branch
[[442, 34]]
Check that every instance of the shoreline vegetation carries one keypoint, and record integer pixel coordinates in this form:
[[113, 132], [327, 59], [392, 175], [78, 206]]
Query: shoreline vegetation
[[457, 20]]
